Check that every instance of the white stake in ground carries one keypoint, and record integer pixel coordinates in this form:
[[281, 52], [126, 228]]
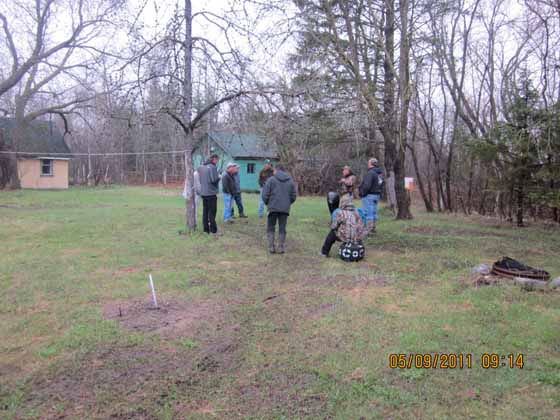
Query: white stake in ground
[[153, 292]]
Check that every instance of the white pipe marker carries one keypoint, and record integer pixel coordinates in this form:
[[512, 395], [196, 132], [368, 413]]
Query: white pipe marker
[[153, 292]]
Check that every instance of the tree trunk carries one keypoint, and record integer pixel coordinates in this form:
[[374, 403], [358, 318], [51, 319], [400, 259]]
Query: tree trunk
[[145, 168], [90, 168], [190, 211], [13, 175], [470, 189], [389, 128], [17, 136], [403, 197], [520, 203], [429, 178], [425, 198]]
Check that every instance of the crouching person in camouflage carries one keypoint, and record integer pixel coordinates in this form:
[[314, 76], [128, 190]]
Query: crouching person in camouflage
[[347, 226]]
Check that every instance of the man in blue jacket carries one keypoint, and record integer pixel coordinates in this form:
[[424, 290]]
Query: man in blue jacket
[[370, 192], [209, 186], [279, 193]]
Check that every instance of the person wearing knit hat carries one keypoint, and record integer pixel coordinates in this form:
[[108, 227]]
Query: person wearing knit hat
[[266, 172], [348, 183]]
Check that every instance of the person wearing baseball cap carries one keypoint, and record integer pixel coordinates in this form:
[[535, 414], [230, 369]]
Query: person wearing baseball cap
[[370, 193], [228, 190]]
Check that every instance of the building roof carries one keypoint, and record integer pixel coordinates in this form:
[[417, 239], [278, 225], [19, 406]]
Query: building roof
[[245, 145], [40, 138]]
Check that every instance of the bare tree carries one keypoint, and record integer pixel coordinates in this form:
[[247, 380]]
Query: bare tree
[[53, 76]]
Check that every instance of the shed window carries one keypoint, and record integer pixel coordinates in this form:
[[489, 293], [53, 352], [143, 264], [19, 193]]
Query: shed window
[[250, 168], [46, 167]]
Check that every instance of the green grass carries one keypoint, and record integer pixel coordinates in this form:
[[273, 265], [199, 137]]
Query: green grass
[[292, 336]]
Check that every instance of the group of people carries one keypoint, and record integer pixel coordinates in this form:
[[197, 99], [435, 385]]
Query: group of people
[[349, 224], [278, 192]]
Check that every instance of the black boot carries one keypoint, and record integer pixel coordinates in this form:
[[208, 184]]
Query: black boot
[[282, 243], [271, 246]]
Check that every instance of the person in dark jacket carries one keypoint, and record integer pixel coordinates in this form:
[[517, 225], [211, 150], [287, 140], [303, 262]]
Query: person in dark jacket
[[228, 190], [209, 186], [266, 172], [237, 193], [381, 179], [370, 192], [279, 193]]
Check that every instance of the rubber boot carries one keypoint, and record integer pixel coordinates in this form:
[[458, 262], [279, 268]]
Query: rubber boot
[[282, 243], [271, 247]]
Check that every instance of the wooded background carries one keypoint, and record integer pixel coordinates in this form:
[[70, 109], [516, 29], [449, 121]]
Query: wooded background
[[462, 95]]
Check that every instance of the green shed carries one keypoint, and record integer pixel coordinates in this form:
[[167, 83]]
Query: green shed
[[249, 151]]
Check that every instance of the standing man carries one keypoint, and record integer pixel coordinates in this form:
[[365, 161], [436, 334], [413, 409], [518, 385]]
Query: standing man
[[370, 191], [279, 193], [266, 172], [228, 190], [237, 192], [209, 185]]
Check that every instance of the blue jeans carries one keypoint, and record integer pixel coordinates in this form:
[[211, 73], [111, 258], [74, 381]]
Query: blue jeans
[[228, 206], [239, 202], [261, 204], [369, 204]]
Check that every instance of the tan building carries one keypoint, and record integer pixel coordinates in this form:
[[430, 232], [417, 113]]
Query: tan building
[[43, 173], [45, 156]]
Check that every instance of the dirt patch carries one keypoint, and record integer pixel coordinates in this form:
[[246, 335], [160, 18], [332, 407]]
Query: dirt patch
[[134, 381], [118, 376], [174, 318], [124, 382]]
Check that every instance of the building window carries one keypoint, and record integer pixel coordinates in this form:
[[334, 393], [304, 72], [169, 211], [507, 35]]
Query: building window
[[250, 168], [46, 167]]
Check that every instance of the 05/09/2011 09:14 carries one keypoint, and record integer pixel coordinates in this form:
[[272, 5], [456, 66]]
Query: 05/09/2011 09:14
[[454, 361]]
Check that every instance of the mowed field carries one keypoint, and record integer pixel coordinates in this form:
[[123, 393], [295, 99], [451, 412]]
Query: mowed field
[[242, 334]]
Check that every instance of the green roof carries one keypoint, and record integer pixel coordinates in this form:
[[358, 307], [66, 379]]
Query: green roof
[[245, 145], [40, 138]]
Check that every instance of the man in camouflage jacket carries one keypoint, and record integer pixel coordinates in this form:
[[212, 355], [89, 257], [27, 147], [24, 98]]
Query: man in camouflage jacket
[[347, 225]]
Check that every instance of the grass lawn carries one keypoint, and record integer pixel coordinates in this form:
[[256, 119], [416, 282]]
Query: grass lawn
[[242, 334]]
